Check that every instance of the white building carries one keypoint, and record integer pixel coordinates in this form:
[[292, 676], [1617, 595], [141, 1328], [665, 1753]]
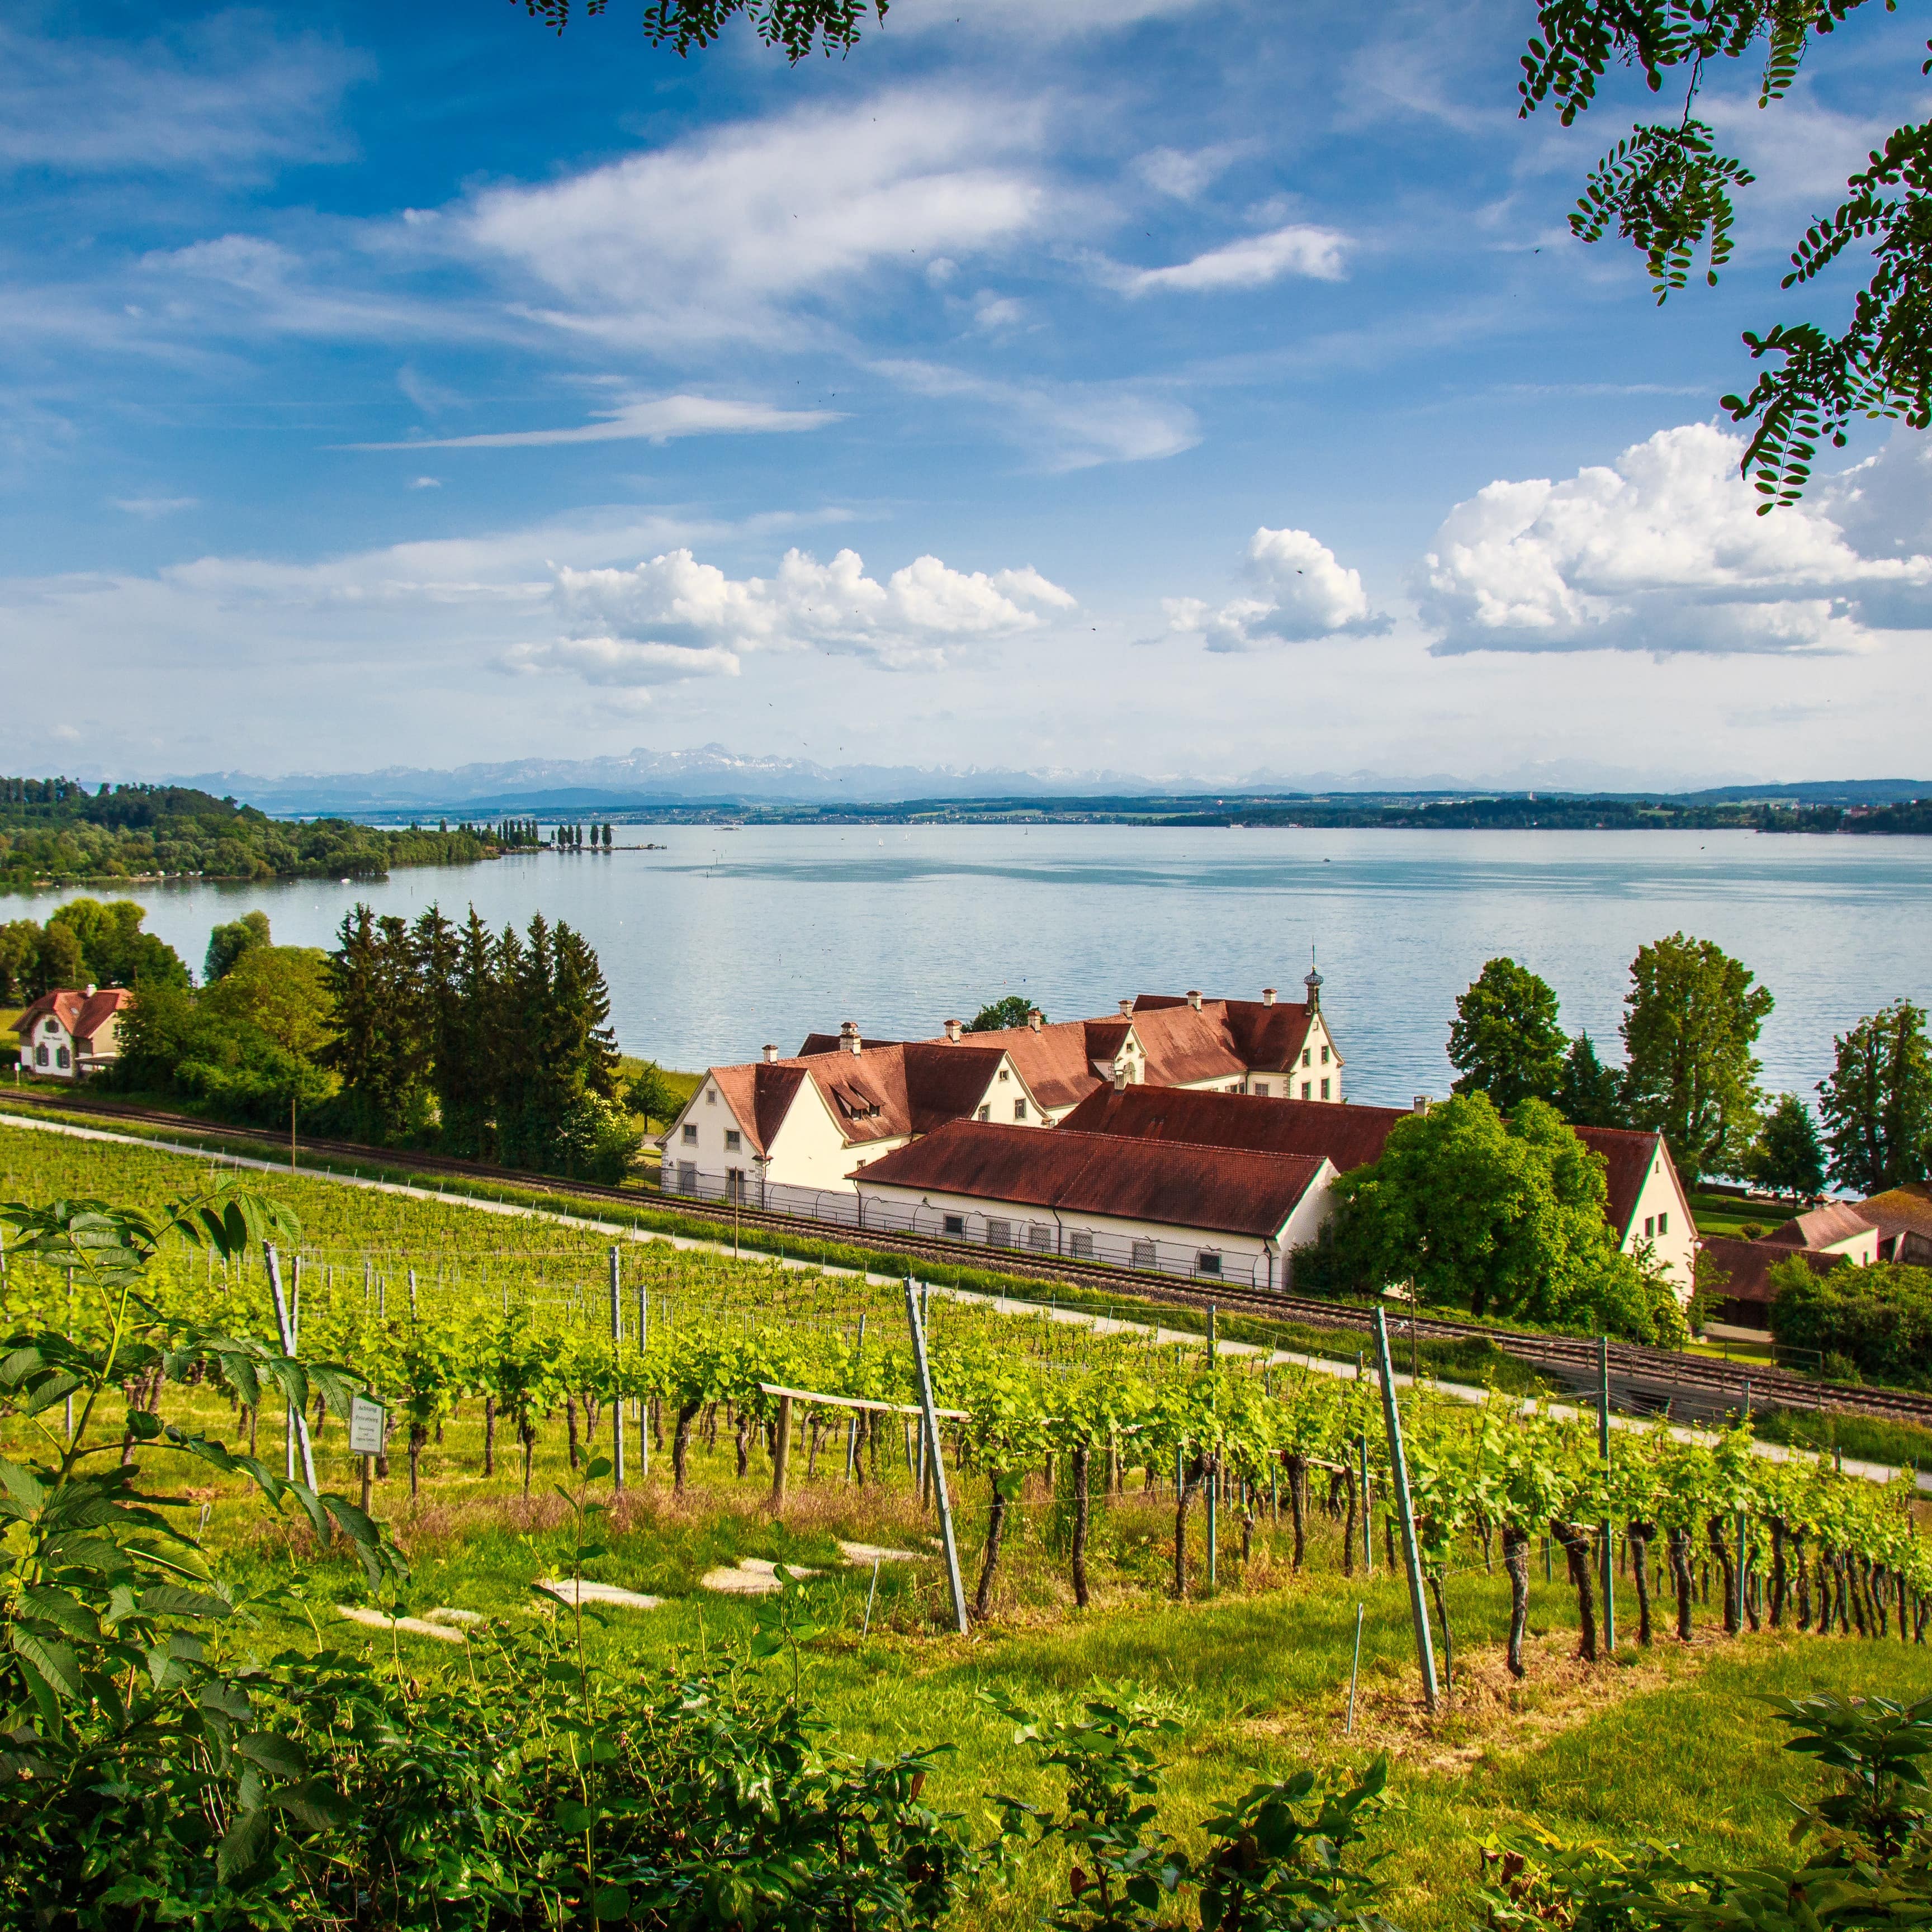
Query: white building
[[66, 1035], [1212, 1214]]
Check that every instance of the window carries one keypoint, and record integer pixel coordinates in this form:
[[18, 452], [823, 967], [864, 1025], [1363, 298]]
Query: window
[[1039, 1237], [984, 1114], [1324, 1056], [734, 1183], [1649, 1226], [999, 1233], [1304, 1089], [690, 1133], [711, 1096], [1324, 1089], [39, 1056], [1143, 1256], [1234, 1087], [1664, 1224], [60, 1056], [1261, 1089], [1080, 1246], [1207, 1263], [1004, 1076], [1019, 1110], [732, 1140], [953, 1224], [687, 1177], [1307, 1059]]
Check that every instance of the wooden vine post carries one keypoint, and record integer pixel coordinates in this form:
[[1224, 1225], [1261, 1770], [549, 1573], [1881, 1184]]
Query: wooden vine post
[[616, 1353], [287, 1328], [1609, 1528], [931, 1422], [1425, 1649], [781, 1453]]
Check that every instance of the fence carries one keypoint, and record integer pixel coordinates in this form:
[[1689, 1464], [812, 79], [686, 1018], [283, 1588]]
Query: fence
[[1012, 1231]]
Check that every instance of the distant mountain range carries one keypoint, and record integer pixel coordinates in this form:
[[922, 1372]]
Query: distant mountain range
[[644, 782]]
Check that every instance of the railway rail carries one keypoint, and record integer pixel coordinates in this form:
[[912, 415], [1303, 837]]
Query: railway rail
[[1689, 1388]]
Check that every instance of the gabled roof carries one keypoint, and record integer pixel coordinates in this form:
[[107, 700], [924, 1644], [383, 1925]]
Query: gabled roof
[[82, 1013], [884, 1092], [1267, 1039], [1826, 1227], [1351, 1135], [1221, 1190], [1900, 1210], [1749, 1264]]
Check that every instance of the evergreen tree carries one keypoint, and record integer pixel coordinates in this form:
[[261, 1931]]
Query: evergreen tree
[[1789, 1157], [1588, 1094], [380, 1051], [1504, 1040], [1877, 1101], [1690, 1019]]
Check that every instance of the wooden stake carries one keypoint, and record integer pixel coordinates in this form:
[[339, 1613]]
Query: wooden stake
[[1425, 1649]]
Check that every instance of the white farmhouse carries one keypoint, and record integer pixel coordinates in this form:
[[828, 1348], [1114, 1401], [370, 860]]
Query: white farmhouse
[[67, 1035], [1213, 1214]]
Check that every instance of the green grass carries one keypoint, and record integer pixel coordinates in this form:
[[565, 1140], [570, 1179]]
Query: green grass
[[1669, 1743], [1867, 1439], [1725, 1214]]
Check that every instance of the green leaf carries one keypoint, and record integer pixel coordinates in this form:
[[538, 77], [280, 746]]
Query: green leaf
[[53, 1659], [245, 1847], [275, 1755], [573, 1817], [598, 1467], [314, 1802], [167, 1600], [611, 1902], [45, 1604]]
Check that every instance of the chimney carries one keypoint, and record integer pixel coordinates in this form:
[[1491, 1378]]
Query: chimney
[[1194, 997], [1126, 1010], [1267, 996], [90, 992], [1120, 1075], [848, 1035], [1422, 1103], [1036, 1018], [771, 1056], [952, 1031]]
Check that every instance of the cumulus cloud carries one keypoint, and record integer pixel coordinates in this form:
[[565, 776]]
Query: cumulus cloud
[[652, 419], [725, 232], [1300, 248], [1663, 551], [151, 507], [674, 617], [1301, 593]]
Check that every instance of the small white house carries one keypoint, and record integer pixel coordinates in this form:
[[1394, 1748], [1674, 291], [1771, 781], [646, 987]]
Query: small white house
[[67, 1035], [1211, 1213]]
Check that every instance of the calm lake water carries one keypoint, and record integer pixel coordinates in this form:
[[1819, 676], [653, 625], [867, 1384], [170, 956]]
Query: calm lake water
[[729, 939]]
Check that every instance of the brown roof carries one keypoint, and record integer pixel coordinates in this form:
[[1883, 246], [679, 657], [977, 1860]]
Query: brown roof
[[1899, 1210], [82, 1013], [1349, 1135], [1225, 1190], [1749, 1264], [1824, 1227], [885, 1092]]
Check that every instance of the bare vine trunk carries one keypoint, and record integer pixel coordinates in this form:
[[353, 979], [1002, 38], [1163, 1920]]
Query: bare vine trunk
[[1348, 1526], [489, 1436], [570, 1423], [1297, 1465], [1680, 1576], [1516, 1561], [1727, 1571], [1639, 1535], [680, 1444], [996, 1529], [1077, 1462], [1575, 1540]]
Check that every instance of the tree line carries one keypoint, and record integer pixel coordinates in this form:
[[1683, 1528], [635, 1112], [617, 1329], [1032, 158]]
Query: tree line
[[1691, 1020], [84, 943]]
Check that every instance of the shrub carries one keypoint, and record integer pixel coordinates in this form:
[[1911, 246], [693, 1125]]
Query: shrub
[[1878, 1320]]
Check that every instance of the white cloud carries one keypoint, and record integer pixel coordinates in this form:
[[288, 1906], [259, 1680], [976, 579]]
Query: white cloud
[[1664, 552], [425, 482], [1300, 248], [225, 96], [673, 617], [1182, 174], [1069, 425], [651, 419], [1302, 593], [153, 506], [717, 235]]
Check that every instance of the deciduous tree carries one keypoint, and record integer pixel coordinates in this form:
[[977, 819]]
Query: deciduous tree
[[226, 943], [1789, 1157], [1877, 1101], [1690, 1019], [1504, 1040]]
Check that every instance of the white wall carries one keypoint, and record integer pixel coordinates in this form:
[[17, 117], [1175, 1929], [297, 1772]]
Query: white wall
[[50, 1036], [1676, 1247]]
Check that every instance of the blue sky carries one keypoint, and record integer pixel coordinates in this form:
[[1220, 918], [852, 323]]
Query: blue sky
[[1161, 386]]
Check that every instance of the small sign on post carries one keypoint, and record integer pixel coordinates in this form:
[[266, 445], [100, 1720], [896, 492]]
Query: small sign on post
[[365, 1427]]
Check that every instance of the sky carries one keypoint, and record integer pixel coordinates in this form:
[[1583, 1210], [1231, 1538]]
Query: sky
[[1201, 389]]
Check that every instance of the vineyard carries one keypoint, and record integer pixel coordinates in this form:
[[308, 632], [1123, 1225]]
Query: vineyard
[[1212, 1533]]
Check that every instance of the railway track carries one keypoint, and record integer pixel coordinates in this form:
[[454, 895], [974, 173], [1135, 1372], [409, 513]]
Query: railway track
[[1689, 1388]]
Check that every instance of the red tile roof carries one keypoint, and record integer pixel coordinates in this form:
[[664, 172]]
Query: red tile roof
[[1823, 1227], [83, 1014], [1349, 1135], [1749, 1264], [1221, 1190]]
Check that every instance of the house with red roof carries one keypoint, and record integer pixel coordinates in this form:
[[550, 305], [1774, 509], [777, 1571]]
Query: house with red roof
[[1644, 1204], [67, 1035], [805, 1122], [1213, 1213]]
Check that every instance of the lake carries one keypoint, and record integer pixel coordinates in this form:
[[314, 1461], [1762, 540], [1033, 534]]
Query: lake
[[731, 938]]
